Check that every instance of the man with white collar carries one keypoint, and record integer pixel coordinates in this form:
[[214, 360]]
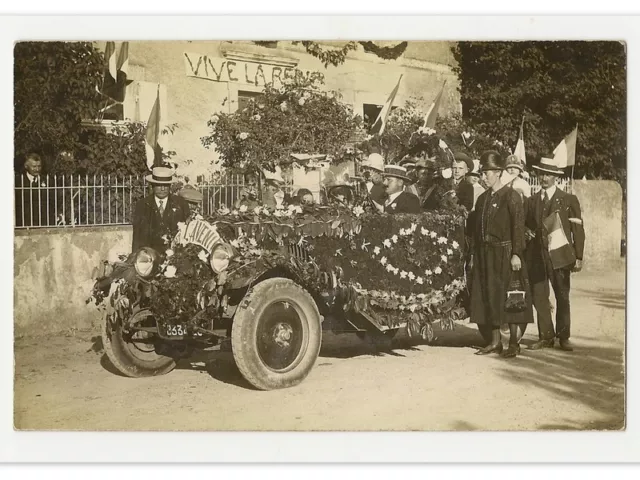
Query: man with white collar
[[157, 215], [556, 250], [31, 195], [373, 168], [399, 200]]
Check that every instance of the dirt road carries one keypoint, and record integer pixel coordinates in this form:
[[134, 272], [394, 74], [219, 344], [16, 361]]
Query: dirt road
[[63, 384]]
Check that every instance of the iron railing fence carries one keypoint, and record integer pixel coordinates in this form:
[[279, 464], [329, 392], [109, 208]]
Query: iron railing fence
[[78, 201]]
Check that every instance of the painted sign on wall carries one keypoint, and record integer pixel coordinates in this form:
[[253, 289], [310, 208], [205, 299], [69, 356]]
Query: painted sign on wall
[[223, 70]]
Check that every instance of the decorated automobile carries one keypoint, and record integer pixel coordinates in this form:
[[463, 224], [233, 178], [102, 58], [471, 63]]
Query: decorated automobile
[[270, 282]]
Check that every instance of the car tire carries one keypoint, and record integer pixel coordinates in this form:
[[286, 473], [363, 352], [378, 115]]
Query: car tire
[[131, 358], [276, 334]]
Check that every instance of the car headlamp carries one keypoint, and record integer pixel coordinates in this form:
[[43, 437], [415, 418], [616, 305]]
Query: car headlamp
[[145, 262], [220, 258]]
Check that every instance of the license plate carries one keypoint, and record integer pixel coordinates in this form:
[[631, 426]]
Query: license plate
[[173, 331]]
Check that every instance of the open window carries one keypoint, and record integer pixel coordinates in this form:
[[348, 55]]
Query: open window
[[370, 113], [244, 97]]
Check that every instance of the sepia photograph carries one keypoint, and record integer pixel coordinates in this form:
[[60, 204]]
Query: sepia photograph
[[319, 235]]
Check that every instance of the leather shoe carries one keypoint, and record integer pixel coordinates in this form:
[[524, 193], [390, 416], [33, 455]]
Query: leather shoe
[[541, 344], [566, 345], [490, 349], [510, 352]]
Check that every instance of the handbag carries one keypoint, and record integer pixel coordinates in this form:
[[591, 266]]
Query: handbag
[[516, 301]]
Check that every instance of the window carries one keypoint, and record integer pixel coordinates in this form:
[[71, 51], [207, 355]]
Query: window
[[244, 97], [370, 113]]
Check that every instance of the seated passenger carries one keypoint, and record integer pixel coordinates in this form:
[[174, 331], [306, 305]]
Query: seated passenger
[[399, 201]]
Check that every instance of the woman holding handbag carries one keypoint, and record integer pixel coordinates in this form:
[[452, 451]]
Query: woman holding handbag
[[499, 289]]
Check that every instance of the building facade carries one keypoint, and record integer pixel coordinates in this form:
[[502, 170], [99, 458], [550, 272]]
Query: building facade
[[198, 79]]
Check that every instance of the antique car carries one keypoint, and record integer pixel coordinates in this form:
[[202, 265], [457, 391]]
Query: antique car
[[270, 282]]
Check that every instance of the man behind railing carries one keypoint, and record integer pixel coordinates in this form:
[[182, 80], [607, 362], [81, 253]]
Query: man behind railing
[[32, 195]]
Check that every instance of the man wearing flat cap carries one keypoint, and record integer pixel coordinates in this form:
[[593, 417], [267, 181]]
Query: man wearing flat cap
[[399, 200], [157, 215], [463, 189], [556, 250]]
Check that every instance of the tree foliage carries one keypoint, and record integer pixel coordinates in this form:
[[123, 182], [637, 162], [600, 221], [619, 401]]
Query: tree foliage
[[555, 85], [296, 118]]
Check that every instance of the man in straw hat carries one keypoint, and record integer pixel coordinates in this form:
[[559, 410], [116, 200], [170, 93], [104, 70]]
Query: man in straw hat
[[157, 215], [373, 168], [399, 201], [556, 250]]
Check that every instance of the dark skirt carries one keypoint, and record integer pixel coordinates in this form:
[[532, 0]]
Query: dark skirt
[[490, 279]]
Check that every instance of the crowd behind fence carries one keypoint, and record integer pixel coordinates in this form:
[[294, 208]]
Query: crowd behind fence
[[77, 201]]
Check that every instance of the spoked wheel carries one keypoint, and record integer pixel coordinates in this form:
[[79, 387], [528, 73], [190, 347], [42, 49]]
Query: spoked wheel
[[276, 334], [132, 352]]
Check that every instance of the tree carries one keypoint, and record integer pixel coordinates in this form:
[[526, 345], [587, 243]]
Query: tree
[[296, 118], [555, 85], [55, 95]]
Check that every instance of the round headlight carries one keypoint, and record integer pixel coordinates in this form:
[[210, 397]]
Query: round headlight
[[220, 258], [145, 262]]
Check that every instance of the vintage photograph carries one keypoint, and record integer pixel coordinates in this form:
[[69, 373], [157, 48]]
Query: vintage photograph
[[302, 235]]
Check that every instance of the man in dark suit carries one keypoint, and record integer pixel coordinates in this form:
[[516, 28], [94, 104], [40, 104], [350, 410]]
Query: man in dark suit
[[555, 250], [463, 189], [31, 195], [157, 215], [399, 200]]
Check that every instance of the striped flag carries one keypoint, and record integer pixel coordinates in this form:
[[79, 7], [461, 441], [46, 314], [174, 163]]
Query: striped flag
[[381, 121], [560, 250], [432, 114], [115, 80], [152, 146], [519, 150], [565, 153]]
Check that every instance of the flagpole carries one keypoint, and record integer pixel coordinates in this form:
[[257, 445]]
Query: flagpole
[[575, 158]]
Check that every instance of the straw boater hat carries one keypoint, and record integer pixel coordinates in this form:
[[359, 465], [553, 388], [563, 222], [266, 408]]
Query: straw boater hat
[[375, 162], [396, 171], [161, 176], [548, 165], [513, 161], [463, 157]]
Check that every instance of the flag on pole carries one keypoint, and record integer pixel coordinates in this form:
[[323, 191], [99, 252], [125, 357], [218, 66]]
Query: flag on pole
[[115, 80], [560, 251], [519, 150], [152, 146], [565, 153], [432, 114], [381, 121]]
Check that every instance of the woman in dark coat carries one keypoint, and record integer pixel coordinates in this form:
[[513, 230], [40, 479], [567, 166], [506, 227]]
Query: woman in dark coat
[[497, 244]]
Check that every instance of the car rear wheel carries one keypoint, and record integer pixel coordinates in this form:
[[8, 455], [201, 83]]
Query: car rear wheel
[[276, 334]]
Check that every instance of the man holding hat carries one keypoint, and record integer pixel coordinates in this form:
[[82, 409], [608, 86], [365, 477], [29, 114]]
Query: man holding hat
[[158, 215], [399, 200], [273, 196], [556, 250], [463, 189], [193, 197], [373, 168]]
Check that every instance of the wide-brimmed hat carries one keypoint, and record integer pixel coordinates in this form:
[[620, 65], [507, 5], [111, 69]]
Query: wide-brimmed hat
[[463, 157], [375, 161], [397, 171], [548, 165], [161, 176], [513, 161], [475, 171], [190, 194], [491, 160]]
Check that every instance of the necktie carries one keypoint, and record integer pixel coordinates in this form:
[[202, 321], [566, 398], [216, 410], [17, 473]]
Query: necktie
[[161, 208]]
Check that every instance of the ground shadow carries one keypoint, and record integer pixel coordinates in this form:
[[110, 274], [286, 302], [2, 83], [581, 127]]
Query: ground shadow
[[608, 298], [109, 367], [218, 365], [590, 375]]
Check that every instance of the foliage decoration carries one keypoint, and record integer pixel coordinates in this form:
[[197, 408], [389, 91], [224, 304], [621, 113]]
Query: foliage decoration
[[296, 118]]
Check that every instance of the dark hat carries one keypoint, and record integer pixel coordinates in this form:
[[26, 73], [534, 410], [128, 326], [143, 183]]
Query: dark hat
[[190, 194], [491, 160], [548, 165], [397, 171], [463, 157], [408, 162]]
